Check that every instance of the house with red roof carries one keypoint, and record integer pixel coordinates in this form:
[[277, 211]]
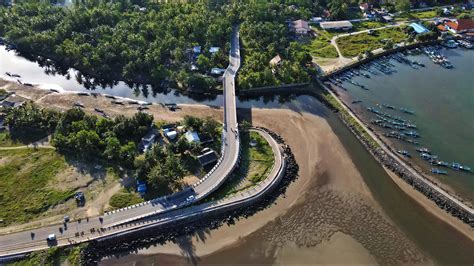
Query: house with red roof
[[460, 26]]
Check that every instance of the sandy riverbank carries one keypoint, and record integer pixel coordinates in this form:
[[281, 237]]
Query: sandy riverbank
[[329, 208]]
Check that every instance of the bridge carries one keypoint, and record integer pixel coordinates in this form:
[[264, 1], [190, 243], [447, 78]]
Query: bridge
[[167, 209]]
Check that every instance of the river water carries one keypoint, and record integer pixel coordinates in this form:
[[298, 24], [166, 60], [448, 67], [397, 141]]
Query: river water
[[434, 238], [443, 102]]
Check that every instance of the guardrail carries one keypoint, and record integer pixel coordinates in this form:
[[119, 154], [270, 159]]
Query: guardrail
[[222, 205]]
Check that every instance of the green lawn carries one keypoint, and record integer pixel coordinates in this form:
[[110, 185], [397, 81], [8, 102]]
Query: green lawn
[[366, 24], [255, 164], [321, 45], [353, 45], [419, 14], [124, 198], [24, 177]]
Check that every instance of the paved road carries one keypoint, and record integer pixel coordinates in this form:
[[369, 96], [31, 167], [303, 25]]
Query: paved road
[[113, 222], [23, 242]]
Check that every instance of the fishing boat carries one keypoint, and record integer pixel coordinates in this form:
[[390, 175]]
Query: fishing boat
[[443, 163], [405, 110], [423, 150], [412, 134], [388, 106], [465, 168], [427, 156], [356, 101], [404, 153], [456, 166], [450, 44], [438, 171]]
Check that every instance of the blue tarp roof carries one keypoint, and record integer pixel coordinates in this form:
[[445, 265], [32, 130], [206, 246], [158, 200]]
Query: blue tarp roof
[[141, 188], [419, 28]]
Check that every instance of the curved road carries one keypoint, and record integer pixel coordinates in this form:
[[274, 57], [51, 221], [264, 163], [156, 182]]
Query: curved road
[[169, 208], [22, 242]]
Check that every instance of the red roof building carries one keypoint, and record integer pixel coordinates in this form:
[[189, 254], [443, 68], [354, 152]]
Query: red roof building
[[460, 25]]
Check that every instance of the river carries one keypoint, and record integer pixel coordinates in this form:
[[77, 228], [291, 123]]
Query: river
[[275, 242], [443, 102], [434, 238]]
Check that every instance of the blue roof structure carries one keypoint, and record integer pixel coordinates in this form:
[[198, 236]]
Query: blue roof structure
[[419, 28], [141, 187]]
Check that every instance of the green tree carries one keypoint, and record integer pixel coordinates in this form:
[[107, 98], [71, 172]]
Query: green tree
[[112, 149], [403, 5], [203, 62]]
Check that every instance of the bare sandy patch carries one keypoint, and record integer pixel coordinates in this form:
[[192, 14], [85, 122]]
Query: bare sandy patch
[[339, 249]]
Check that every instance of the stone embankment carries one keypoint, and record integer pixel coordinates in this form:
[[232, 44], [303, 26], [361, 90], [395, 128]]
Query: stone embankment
[[387, 161], [142, 239]]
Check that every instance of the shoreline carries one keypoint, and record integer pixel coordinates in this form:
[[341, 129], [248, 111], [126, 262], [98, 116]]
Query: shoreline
[[405, 172], [263, 217], [51, 60]]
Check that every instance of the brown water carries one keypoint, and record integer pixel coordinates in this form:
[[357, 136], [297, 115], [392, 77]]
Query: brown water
[[325, 213]]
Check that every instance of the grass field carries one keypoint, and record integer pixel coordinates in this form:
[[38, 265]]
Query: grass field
[[124, 198], [353, 45], [321, 45], [24, 178], [255, 164], [366, 24], [419, 15]]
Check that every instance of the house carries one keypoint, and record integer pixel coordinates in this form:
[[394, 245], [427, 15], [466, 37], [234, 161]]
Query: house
[[387, 18], [147, 141], [208, 157], [460, 26], [336, 25], [170, 133], [196, 51], [217, 71], [276, 61], [316, 19], [442, 28], [214, 50], [418, 28], [10, 104], [300, 27], [192, 137]]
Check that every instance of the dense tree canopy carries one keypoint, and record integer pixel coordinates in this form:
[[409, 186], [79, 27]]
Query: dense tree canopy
[[115, 140], [29, 122], [120, 40]]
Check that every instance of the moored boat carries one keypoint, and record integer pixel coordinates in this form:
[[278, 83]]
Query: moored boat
[[438, 171]]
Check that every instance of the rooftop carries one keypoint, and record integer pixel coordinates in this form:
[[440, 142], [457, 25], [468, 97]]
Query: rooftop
[[192, 137], [461, 24], [419, 28], [207, 158], [275, 60], [300, 24], [336, 24]]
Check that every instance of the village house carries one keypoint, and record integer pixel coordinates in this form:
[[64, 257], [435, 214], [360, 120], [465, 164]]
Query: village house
[[275, 62], [460, 26], [336, 25], [192, 137], [207, 157], [300, 27]]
